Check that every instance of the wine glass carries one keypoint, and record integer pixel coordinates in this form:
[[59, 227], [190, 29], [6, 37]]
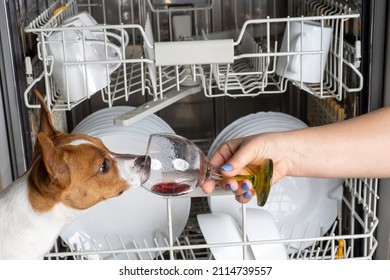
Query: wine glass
[[178, 166]]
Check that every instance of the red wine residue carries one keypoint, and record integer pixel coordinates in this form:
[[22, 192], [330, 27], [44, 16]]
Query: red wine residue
[[170, 188]]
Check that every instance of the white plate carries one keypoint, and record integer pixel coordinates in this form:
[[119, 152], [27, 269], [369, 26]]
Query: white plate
[[253, 123], [302, 207], [259, 119], [261, 226], [107, 122], [103, 119], [143, 131], [252, 129], [135, 217], [222, 229], [219, 228]]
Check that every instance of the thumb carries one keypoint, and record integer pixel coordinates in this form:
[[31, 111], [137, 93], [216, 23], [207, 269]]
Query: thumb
[[236, 163]]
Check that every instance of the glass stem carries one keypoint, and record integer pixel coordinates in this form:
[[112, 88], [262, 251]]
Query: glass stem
[[213, 174]]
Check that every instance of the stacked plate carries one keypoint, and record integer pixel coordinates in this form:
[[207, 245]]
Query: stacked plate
[[260, 227], [137, 219], [302, 207]]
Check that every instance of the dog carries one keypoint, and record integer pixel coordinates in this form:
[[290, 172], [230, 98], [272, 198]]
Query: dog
[[69, 174]]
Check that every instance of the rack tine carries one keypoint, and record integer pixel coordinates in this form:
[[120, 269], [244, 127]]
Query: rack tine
[[124, 247]]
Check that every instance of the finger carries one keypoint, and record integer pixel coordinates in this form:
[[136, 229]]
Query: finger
[[208, 186], [239, 159], [230, 185], [243, 187], [236, 163], [225, 152], [246, 196]]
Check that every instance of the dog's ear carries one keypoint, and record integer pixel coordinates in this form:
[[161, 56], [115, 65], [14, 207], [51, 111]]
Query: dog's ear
[[53, 159], [49, 177], [47, 126]]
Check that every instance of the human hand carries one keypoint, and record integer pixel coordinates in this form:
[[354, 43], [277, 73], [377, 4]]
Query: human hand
[[240, 155]]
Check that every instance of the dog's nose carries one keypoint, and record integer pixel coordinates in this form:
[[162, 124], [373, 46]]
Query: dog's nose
[[144, 162]]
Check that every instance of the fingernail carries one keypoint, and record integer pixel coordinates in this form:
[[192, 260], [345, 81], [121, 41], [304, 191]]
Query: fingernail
[[229, 187], [247, 195], [227, 167], [245, 187]]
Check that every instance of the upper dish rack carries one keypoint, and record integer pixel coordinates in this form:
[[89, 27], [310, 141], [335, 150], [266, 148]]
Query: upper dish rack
[[188, 58]]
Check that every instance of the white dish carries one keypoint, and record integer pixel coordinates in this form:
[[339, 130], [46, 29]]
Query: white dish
[[121, 142], [137, 216], [143, 129], [219, 228], [253, 123], [124, 220], [260, 119], [77, 81], [301, 207], [85, 19], [256, 128], [260, 225], [106, 118], [103, 119]]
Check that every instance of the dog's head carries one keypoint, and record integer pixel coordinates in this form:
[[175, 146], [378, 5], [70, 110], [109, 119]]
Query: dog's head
[[78, 170]]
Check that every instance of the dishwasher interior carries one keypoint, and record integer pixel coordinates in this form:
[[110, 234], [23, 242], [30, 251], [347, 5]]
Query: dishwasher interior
[[200, 66]]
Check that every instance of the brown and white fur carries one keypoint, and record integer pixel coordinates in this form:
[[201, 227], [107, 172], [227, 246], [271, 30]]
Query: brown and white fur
[[69, 174]]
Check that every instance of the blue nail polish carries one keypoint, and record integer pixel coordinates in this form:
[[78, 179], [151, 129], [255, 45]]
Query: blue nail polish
[[229, 187], [247, 195], [227, 167], [245, 187]]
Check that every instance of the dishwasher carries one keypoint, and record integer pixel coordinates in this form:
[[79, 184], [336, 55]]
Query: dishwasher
[[201, 67]]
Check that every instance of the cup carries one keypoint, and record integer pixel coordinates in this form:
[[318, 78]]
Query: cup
[[79, 80], [85, 19], [83, 16], [310, 37]]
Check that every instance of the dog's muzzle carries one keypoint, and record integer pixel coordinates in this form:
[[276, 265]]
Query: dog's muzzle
[[145, 162]]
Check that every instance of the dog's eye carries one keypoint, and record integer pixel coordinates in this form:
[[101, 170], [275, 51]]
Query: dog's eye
[[105, 167]]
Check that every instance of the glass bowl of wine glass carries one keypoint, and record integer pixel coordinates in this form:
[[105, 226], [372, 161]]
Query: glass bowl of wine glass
[[178, 166]]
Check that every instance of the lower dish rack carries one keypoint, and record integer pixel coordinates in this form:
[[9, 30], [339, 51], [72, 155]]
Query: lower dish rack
[[350, 237]]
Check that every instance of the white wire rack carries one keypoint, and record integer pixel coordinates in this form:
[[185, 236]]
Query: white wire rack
[[236, 63], [254, 67], [350, 237]]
